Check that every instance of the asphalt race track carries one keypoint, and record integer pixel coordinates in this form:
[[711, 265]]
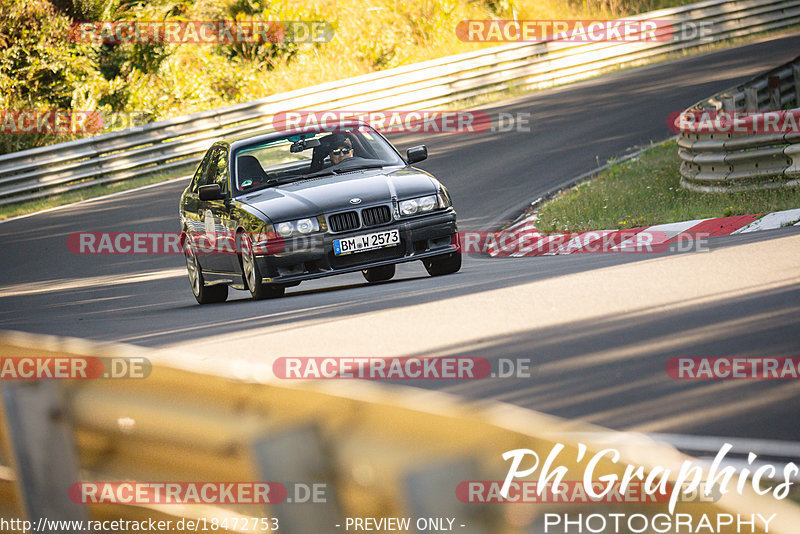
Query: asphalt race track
[[146, 300]]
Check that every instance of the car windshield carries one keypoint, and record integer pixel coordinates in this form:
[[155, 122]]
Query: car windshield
[[299, 156]]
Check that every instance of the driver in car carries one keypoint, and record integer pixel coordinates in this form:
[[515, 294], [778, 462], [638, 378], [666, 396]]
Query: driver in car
[[341, 149]]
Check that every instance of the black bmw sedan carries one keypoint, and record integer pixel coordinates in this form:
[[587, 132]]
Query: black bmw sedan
[[266, 212]]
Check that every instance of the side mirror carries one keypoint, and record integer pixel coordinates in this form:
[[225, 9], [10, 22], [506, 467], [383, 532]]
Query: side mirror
[[210, 192], [417, 153]]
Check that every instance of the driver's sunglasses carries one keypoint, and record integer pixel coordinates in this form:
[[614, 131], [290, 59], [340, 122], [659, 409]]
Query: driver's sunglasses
[[339, 151]]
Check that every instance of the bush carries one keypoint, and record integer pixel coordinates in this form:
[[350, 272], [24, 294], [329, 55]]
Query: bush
[[40, 69]]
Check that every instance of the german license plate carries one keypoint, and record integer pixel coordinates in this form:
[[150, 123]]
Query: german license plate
[[362, 243]]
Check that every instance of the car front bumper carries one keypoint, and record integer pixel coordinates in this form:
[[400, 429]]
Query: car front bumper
[[307, 258]]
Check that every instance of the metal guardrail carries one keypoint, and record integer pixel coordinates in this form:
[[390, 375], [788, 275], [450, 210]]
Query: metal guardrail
[[380, 451], [731, 161], [40, 172]]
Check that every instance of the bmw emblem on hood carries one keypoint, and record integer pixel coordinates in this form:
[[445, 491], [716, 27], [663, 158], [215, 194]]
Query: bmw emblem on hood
[[355, 200]]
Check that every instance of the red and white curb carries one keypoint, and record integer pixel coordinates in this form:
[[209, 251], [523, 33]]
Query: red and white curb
[[523, 239]]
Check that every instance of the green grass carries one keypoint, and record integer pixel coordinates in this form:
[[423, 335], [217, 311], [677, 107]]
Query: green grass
[[647, 191], [32, 206]]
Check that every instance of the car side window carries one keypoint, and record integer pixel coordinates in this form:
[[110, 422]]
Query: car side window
[[201, 175], [218, 171]]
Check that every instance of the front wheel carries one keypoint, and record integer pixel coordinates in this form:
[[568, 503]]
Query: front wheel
[[252, 274], [447, 264], [203, 294], [379, 274]]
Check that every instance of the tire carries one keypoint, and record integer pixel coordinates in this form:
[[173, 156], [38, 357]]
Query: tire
[[202, 293], [252, 274], [379, 274], [447, 264]]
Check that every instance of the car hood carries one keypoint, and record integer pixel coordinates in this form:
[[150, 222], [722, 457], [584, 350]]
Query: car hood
[[308, 198]]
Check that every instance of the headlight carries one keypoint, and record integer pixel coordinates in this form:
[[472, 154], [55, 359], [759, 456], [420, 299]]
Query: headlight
[[301, 226], [409, 207], [285, 229], [418, 205], [427, 203], [305, 226]]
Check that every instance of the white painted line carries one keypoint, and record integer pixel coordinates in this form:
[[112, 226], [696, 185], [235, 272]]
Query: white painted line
[[66, 284], [740, 445], [771, 221], [741, 465], [94, 199], [710, 445]]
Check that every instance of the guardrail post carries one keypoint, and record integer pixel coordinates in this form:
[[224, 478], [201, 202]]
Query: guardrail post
[[796, 78], [774, 84], [44, 455], [728, 104], [431, 492], [750, 99], [297, 459]]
